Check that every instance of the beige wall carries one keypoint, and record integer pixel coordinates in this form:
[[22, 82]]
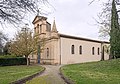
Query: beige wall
[[60, 51], [56, 53], [106, 54], [68, 58], [53, 57], [44, 58]]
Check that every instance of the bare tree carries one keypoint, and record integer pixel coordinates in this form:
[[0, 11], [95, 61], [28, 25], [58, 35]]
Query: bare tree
[[104, 19], [25, 43], [13, 11], [104, 16]]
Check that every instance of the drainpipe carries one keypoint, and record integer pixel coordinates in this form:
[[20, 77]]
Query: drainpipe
[[102, 51], [38, 54], [60, 50]]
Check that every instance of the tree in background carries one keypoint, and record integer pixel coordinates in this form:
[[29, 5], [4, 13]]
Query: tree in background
[[104, 16], [25, 43], [6, 48], [13, 11], [3, 38], [109, 23], [104, 19], [114, 32]]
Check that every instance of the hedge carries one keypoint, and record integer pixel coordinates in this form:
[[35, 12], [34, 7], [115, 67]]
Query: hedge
[[8, 56], [12, 61]]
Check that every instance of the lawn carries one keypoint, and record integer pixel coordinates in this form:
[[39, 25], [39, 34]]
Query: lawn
[[39, 80], [12, 73], [103, 72]]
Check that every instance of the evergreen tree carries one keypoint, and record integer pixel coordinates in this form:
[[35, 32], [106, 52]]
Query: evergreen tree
[[114, 32]]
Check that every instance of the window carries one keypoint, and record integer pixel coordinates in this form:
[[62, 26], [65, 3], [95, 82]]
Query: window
[[72, 49], [80, 50], [48, 28], [47, 52], [98, 51], [35, 30], [38, 28], [37, 25], [93, 50]]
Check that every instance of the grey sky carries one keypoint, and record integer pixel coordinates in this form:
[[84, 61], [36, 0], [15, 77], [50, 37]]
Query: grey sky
[[73, 17]]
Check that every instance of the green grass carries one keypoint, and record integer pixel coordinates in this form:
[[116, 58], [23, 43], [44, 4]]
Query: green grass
[[38, 80], [11, 73], [103, 72]]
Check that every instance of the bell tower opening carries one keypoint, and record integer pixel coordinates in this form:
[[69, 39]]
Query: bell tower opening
[[41, 26]]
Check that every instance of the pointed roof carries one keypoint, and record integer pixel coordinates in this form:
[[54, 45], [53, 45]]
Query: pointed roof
[[39, 18], [54, 29]]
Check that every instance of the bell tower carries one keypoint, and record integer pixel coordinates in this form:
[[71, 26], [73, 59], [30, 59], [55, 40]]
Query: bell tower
[[41, 26], [43, 29]]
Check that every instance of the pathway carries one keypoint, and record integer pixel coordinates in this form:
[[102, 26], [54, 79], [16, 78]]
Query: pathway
[[52, 75]]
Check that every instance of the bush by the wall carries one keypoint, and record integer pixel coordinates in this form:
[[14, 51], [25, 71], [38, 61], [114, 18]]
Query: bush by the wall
[[8, 56], [12, 61]]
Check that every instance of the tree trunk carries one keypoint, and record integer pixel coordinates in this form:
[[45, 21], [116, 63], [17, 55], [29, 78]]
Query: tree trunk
[[27, 61]]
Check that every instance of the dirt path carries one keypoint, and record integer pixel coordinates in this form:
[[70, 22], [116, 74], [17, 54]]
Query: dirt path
[[51, 75]]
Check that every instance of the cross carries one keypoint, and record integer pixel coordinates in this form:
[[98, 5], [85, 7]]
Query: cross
[[38, 12]]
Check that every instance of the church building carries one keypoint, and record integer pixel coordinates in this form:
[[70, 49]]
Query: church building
[[66, 49]]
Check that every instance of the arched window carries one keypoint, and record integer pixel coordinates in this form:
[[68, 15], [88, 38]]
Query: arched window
[[98, 51], [47, 52], [35, 30], [93, 50], [80, 50], [72, 49], [38, 28]]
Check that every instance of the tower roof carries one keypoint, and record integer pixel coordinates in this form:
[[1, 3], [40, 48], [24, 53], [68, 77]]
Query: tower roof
[[39, 18], [54, 29]]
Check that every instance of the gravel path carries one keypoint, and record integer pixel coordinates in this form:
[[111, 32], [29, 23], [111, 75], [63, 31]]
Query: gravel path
[[52, 74]]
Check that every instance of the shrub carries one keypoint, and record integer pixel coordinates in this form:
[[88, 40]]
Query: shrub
[[8, 56], [13, 61]]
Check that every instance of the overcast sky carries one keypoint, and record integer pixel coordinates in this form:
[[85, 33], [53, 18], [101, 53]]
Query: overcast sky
[[76, 17], [73, 17]]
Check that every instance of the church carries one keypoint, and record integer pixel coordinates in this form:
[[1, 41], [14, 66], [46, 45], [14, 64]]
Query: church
[[65, 49]]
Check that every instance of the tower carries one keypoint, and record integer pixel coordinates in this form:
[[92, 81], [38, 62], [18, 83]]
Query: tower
[[54, 32], [55, 44], [41, 26]]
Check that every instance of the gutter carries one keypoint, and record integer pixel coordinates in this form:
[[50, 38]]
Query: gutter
[[60, 50]]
